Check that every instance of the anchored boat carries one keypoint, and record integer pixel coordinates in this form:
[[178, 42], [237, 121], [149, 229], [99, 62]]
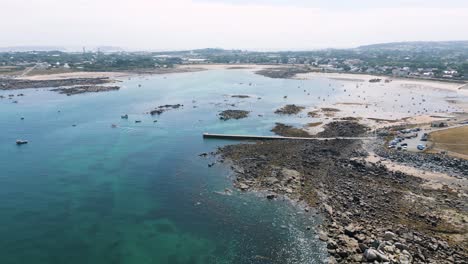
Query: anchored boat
[[21, 142]]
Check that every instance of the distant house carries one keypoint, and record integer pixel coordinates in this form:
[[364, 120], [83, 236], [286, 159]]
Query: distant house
[[193, 61], [400, 72], [428, 74]]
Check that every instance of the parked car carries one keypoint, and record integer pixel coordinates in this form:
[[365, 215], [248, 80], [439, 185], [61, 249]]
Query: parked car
[[424, 137], [404, 144], [421, 147]]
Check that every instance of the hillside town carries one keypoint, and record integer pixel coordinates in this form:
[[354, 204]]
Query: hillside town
[[439, 60]]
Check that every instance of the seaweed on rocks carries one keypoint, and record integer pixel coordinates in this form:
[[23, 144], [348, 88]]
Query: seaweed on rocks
[[13, 84], [163, 108], [85, 89], [233, 114], [290, 109], [343, 129], [289, 131]]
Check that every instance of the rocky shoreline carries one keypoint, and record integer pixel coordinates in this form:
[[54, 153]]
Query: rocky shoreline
[[15, 84], [371, 214]]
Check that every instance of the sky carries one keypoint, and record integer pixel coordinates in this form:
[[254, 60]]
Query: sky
[[231, 24]]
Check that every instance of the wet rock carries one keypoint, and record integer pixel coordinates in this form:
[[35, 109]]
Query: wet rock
[[370, 254], [291, 109], [331, 244], [233, 114], [328, 209], [343, 129], [401, 246], [283, 72], [163, 108], [351, 230], [331, 260], [405, 258], [323, 236], [243, 186], [373, 254], [389, 236], [289, 131], [13, 84], [85, 89], [356, 258]]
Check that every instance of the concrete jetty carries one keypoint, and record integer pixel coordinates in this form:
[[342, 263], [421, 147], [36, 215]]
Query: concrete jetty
[[254, 137]]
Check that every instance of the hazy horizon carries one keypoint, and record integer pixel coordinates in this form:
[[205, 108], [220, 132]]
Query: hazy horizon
[[257, 25]]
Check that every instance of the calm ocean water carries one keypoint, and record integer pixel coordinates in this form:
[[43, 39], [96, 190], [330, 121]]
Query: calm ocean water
[[139, 193]]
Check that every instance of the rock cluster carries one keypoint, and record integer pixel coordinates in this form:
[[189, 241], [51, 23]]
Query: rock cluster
[[283, 72], [289, 131], [370, 214], [242, 96], [13, 84], [343, 129], [233, 114], [290, 109], [163, 108], [85, 89]]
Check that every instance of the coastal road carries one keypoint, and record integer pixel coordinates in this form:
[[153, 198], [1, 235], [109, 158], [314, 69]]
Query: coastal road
[[28, 70]]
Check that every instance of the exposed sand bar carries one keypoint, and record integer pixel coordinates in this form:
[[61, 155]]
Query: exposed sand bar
[[430, 84]]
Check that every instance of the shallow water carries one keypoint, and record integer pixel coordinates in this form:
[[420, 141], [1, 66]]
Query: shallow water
[[139, 193]]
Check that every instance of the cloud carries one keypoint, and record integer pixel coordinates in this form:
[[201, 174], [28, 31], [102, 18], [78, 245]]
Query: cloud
[[348, 4]]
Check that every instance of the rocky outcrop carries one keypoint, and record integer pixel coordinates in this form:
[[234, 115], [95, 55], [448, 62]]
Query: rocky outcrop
[[163, 108], [85, 89], [283, 72], [13, 84], [289, 131], [343, 129], [233, 114], [370, 214], [291, 109]]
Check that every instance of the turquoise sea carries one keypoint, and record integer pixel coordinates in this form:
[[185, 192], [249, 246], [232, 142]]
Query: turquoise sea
[[139, 193]]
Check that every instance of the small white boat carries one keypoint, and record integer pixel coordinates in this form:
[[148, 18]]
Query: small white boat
[[21, 142]]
